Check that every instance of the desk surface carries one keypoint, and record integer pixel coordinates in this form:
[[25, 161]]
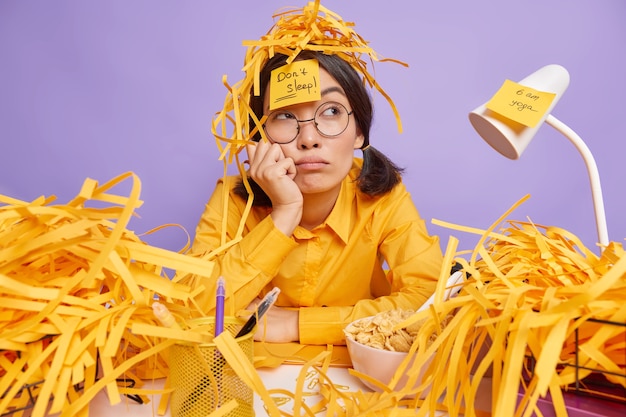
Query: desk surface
[[282, 377], [286, 375]]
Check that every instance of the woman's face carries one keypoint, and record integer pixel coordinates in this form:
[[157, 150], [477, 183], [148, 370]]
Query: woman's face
[[321, 162]]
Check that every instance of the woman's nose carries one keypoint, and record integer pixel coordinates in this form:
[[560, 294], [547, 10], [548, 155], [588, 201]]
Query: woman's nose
[[308, 136]]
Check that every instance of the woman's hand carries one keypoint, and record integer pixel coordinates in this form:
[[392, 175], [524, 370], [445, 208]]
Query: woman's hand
[[275, 174], [278, 325]]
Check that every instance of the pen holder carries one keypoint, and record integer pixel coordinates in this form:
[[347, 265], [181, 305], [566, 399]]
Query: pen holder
[[198, 393]]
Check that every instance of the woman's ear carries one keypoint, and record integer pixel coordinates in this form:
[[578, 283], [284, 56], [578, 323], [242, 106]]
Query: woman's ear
[[359, 140]]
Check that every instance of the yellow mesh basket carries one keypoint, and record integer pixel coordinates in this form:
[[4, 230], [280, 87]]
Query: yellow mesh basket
[[198, 392]]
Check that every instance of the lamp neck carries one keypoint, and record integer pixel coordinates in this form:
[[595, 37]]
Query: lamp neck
[[594, 176]]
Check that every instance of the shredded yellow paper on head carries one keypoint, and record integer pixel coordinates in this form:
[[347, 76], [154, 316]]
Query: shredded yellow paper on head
[[313, 28]]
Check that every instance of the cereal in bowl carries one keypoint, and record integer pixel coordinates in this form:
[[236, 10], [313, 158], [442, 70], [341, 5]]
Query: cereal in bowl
[[378, 331]]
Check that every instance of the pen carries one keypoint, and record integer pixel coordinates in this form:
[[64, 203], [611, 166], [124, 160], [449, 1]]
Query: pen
[[265, 304], [219, 306], [220, 294]]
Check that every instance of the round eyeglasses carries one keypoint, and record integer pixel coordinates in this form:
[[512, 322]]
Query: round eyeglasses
[[330, 119]]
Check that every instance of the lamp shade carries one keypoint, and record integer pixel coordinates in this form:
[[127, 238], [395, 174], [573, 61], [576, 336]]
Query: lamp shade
[[507, 136]]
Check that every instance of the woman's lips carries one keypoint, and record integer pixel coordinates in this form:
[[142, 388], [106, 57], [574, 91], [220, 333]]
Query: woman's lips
[[310, 163]]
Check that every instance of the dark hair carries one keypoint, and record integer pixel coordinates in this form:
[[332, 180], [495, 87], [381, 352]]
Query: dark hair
[[378, 174]]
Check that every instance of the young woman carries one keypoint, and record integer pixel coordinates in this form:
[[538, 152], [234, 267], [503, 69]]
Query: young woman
[[339, 235]]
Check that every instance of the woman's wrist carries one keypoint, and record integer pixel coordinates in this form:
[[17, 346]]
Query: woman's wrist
[[287, 217]]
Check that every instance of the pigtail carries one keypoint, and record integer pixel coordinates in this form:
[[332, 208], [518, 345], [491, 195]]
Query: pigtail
[[379, 174]]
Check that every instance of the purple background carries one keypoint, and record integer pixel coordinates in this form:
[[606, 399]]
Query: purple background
[[95, 89]]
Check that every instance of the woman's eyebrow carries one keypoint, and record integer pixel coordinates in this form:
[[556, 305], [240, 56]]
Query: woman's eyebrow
[[333, 89]]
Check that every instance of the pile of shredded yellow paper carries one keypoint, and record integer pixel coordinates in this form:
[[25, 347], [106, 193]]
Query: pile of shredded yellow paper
[[76, 289]]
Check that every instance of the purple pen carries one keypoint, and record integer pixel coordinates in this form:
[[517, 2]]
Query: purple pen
[[219, 306]]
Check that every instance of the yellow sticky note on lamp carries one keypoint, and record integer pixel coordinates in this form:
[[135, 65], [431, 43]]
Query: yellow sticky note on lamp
[[295, 83], [519, 103]]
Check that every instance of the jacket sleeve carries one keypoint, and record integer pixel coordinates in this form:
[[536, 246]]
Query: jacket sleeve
[[247, 263]]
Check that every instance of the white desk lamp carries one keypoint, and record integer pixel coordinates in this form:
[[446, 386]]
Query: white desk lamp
[[510, 138]]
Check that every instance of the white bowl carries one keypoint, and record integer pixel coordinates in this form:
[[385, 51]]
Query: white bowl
[[379, 364]]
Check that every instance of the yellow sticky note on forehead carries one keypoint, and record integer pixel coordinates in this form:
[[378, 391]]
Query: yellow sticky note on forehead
[[295, 83], [519, 103]]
